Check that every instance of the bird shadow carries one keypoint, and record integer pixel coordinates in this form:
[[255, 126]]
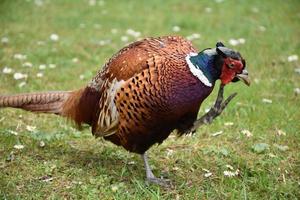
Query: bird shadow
[[114, 162]]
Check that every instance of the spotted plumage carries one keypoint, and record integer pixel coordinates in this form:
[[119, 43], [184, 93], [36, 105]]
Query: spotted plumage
[[144, 92]]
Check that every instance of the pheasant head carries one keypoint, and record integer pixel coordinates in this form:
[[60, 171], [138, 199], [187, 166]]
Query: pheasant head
[[233, 65], [218, 63]]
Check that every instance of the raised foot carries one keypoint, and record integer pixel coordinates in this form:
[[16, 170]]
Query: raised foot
[[214, 112], [159, 181]]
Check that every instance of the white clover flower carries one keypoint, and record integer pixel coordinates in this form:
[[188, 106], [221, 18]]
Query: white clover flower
[[27, 64], [264, 100], [42, 66], [4, 40], [229, 167], [208, 174], [297, 91], [233, 42], [101, 3], [281, 132], [19, 56], [81, 77], [133, 33], [31, 128], [39, 75], [176, 28], [124, 39], [208, 9], [219, 1], [170, 152], [22, 84], [262, 28], [131, 163], [97, 26], [247, 133], [292, 58], [241, 40], [19, 75], [103, 42], [92, 2], [40, 43], [38, 2], [42, 143], [52, 66], [13, 132], [228, 173], [75, 60], [255, 10], [114, 31], [54, 37], [228, 124], [7, 70], [19, 146], [231, 173], [193, 36], [217, 133]]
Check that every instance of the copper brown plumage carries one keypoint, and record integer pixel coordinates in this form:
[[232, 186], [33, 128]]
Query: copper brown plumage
[[144, 92]]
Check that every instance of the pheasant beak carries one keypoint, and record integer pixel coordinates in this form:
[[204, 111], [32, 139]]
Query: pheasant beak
[[244, 77]]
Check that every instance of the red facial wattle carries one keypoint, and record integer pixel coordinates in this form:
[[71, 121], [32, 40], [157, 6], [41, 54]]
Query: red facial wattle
[[230, 68]]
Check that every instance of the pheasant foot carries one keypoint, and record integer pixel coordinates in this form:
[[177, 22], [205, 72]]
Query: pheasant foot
[[215, 111], [150, 176]]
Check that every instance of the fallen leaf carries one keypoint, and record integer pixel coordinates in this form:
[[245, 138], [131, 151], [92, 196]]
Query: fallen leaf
[[260, 147], [281, 147]]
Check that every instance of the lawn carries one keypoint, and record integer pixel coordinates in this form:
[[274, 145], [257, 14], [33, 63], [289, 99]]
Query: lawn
[[250, 152]]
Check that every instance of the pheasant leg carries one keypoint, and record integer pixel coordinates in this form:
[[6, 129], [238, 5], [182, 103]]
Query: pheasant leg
[[150, 176], [215, 111]]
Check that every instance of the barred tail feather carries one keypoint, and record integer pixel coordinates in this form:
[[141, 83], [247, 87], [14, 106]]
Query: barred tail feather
[[46, 102], [80, 105]]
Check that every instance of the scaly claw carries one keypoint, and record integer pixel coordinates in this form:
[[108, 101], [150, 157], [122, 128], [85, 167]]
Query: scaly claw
[[159, 181]]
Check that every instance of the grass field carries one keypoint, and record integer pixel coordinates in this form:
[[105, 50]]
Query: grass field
[[66, 42]]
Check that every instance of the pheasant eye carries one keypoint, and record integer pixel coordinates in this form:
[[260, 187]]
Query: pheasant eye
[[230, 65]]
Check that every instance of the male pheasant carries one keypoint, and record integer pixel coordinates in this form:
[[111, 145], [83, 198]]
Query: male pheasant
[[144, 92]]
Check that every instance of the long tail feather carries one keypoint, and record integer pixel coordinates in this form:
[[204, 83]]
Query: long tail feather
[[47, 102]]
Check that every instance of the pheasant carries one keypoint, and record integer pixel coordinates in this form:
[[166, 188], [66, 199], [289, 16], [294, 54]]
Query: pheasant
[[144, 92]]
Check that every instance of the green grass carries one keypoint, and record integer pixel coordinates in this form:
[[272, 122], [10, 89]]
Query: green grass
[[82, 167]]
